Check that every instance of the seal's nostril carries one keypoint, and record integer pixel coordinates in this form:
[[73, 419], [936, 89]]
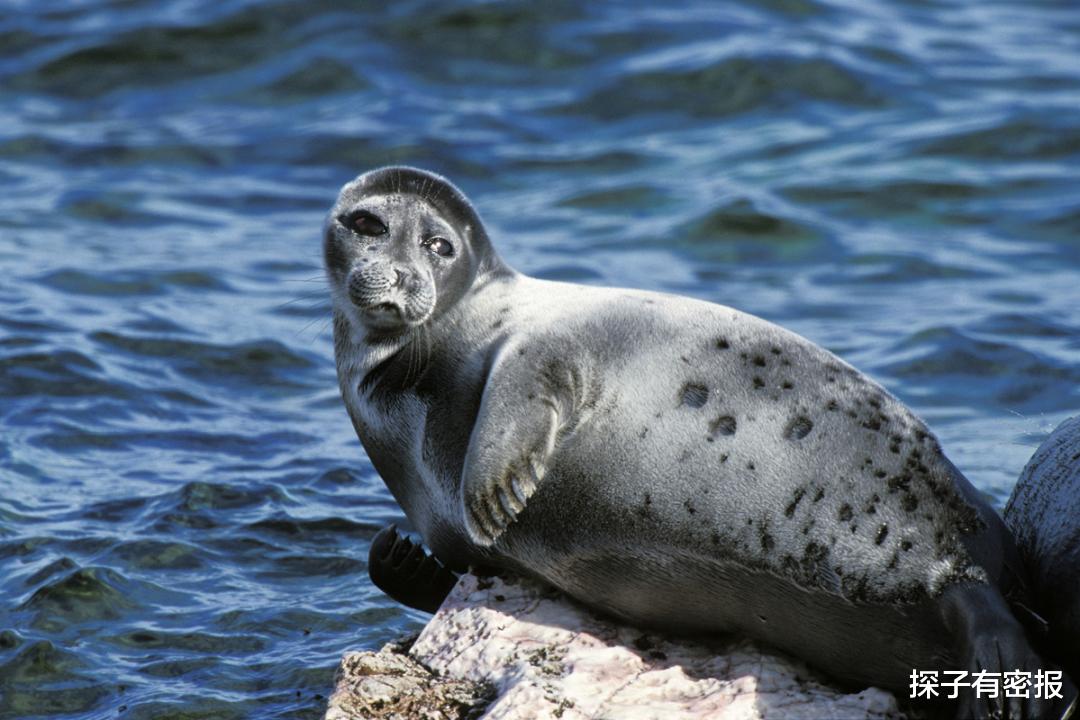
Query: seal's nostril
[[399, 278]]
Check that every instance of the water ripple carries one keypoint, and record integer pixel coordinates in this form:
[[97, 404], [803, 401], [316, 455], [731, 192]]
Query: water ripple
[[185, 511]]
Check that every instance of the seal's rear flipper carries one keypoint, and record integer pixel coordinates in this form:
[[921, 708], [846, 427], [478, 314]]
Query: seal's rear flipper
[[406, 572], [990, 640]]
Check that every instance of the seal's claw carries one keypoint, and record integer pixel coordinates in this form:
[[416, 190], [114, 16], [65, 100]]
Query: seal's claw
[[509, 499], [382, 545], [406, 572], [495, 515], [481, 527], [519, 491], [499, 502]]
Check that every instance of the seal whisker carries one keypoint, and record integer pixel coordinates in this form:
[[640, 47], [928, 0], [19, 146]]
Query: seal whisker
[[418, 341], [305, 296], [314, 278], [427, 343], [411, 355], [418, 338], [325, 323], [419, 353]]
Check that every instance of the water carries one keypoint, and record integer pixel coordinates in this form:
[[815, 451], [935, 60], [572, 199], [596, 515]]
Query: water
[[184, 510]]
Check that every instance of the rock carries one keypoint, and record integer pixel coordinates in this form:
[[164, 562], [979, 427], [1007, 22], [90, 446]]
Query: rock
[[510, 649], [390, 684]]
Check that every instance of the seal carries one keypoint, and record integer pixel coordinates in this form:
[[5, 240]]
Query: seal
[[1044, 516], [674, 463]]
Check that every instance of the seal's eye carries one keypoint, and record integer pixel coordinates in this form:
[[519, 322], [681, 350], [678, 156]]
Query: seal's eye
[[439, 246], [364, 223]]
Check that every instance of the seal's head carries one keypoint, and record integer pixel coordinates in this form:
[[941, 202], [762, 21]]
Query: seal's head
[[402, 246]]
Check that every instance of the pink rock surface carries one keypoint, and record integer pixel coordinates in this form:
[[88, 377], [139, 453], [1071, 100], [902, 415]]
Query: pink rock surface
[[543, 656]]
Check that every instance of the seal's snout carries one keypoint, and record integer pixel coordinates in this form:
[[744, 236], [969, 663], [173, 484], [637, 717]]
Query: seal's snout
[[368, 287], [389, 296]]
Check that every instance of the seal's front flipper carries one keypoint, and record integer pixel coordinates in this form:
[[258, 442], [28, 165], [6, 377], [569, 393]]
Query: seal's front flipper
[[493, 501], [406, 572], [528, 400]]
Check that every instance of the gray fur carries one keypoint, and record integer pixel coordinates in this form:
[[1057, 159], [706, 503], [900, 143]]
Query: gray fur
[[1044, 515], [673, 462]]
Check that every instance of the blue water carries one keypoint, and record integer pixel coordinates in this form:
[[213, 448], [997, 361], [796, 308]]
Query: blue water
[[184, 509]]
